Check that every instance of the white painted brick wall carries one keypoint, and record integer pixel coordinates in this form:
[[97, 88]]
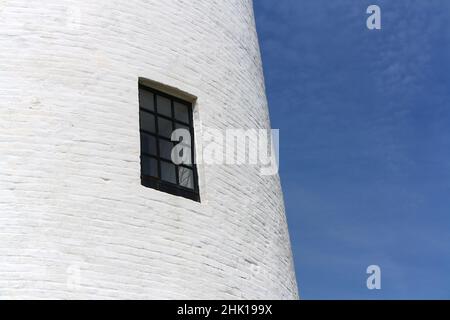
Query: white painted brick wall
[[74, 220]]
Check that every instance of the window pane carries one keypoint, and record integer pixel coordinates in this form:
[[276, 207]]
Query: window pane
[[164, 106], [147, 121], [186, 177], [181, 112], [146, 100], [148, 144], [168, 172], [159, 115], [149, 166], [165, 149], [165, 127]]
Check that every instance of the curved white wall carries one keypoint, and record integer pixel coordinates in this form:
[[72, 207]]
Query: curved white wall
[[74, 220]]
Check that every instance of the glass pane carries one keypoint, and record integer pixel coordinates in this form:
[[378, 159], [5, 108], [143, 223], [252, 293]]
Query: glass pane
[[165, 127], [168, 172], [149, 166], [186, 177], [146, 100], [165, 149], [181, 112], [148, 144], [164, 106], [147, 121]]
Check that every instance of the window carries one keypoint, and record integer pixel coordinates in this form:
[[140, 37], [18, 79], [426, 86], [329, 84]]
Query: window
[[161, 167]]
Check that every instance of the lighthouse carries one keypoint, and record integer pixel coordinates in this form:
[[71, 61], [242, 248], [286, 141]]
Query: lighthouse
[[91, 205]]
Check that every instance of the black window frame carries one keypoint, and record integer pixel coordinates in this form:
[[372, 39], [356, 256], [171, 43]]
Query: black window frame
[[156, 182]]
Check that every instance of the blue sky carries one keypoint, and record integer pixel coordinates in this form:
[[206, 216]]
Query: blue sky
[[364, 119]]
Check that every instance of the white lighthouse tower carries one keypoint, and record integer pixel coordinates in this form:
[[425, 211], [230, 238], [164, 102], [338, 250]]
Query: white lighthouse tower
[[77, 219]]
